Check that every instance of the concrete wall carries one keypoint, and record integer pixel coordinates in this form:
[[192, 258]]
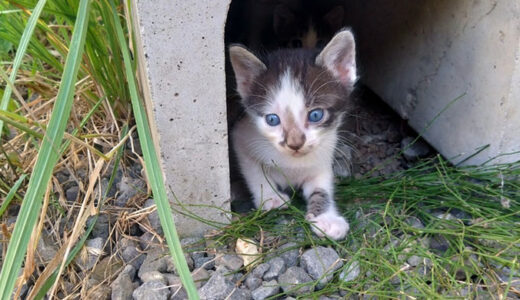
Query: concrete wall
[[420, 55], [182, 54], [417, 55]]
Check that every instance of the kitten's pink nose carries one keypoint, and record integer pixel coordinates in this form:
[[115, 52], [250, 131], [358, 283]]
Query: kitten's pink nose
[[295, 140], [295, 147]]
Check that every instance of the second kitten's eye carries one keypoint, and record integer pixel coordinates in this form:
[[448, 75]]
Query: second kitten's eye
[[272, 119], [316, 115]]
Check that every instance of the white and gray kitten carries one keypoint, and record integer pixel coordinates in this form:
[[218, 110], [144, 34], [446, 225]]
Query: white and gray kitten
[[295, 102]]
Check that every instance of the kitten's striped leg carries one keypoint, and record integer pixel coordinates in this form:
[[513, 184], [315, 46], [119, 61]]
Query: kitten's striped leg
[[321, 209]]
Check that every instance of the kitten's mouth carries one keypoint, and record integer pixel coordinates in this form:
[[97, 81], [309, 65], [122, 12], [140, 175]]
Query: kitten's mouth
[[298, 153]]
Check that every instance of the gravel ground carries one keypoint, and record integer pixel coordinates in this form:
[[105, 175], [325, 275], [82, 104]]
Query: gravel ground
[[375, 134], [141, 267]]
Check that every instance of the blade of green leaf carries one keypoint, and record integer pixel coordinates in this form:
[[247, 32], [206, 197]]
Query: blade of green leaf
[[21, 127], [47, 157], [153, 170], [24, 42], [11, 194]]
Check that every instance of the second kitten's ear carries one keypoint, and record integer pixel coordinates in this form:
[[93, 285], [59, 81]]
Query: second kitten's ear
[[246, 66], [339, 57]]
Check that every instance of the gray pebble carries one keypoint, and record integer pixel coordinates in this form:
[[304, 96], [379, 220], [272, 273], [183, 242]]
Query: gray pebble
[[320, 263], [207, 261], [231, 261], [157, 260], [289, 256], [423, 270], [267, 289], [350, 272], [178, 293], [148, 240], [253, 282], [46, 249], [216, 288], [295, 276], [191, 244], [96, 244], [94, 250], [444, 216], [414, 260], [72, 193], [100, 291], [130, 253], [128, 188], [129, 271], [414, 222], [240, 294], [276, 267], [177, 290], [153, 218], [151, 290], [490, 243], [102, 226], [439, 244], [104, 186], [227, 273], [200, 276], [260, 270], [62, 176], [461, 215]]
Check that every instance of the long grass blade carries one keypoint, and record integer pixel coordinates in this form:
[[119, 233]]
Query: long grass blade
[[153, 170], [11, 194], [47, 157], [24, 42]]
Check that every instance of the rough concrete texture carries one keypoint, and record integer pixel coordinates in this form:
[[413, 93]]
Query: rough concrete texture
[[420, 55], [182, 56]]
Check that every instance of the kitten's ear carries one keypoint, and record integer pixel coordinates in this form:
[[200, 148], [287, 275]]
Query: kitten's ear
[[339, 57], [246, 66]]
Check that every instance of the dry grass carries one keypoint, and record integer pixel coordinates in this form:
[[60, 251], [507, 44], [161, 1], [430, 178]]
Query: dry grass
[[96, 126]]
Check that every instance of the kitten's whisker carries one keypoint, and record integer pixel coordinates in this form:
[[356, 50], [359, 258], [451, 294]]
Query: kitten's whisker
[[314, 81], [313, 93]]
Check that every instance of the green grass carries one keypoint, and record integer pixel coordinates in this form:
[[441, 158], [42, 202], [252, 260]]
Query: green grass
[[484, 239], [73, 55], [47, 158]]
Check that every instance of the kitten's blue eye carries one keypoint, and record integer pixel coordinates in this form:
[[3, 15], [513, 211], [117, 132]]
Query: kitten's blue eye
[[316, 115], [272, 119]]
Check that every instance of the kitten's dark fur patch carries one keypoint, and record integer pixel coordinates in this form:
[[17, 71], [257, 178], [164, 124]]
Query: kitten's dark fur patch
[[320, 87], [318, 202]]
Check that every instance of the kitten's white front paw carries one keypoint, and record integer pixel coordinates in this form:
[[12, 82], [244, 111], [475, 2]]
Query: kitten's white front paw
[[273, 200], [334, 226]]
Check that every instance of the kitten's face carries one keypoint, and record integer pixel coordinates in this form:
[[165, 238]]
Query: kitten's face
[[297, 99], [298, 113]]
